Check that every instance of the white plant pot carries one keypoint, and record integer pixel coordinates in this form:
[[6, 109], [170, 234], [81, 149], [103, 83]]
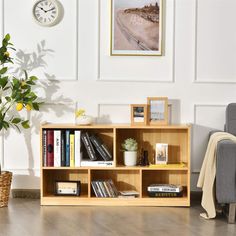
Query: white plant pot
[[84, 120], [130, 158]]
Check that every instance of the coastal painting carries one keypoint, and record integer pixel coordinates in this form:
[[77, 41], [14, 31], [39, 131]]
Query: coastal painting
[[136, 27]]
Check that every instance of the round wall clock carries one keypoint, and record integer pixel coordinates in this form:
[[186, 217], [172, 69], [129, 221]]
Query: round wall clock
[[47, 12]]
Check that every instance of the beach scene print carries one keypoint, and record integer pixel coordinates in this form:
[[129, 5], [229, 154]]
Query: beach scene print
[[136, 26]]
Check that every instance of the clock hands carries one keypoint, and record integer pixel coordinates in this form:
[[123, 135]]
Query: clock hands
[[51, 9], [42, 9], [46, 10]]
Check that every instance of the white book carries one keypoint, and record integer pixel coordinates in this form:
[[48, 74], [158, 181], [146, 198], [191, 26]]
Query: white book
[[165, 188], [57, 148], [77, 148], [97, 163]]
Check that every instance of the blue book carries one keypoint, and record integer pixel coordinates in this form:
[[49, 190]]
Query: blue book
[[67, 147]]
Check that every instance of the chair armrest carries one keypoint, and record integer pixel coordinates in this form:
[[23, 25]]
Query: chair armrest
[[214, 131], [226, 171]]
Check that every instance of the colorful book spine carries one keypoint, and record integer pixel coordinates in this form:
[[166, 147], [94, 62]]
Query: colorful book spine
[[72, 150], [68, 148], [63, 148], [50, 150], [77, 148], [44, 147], [57, 148]]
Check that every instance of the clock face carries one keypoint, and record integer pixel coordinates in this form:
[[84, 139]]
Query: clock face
[[46, 12]]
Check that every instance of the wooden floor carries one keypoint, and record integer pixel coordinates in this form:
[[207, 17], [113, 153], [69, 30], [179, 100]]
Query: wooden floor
[[27, 218]]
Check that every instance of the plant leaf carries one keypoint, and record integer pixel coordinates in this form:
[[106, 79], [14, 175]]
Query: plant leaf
[[25, 124], [3, 70], [16, 120]]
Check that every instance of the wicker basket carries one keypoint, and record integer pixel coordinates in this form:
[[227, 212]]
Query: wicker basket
[[5, 187]]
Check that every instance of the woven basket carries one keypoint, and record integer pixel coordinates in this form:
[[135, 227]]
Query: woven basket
[[5, 187]]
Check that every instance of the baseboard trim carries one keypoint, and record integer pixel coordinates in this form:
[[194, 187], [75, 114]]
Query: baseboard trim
[[35, 194], [26, 193]]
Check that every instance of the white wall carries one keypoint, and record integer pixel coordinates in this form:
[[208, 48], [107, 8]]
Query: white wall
[[197, 73]]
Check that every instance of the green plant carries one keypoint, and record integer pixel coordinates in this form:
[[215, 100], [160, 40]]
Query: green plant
[[130, 144], [15, 93]]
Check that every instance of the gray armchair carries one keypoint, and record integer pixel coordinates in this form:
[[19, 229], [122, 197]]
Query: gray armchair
[[226, 166]]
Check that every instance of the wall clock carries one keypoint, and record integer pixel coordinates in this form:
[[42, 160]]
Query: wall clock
[[47, 12]]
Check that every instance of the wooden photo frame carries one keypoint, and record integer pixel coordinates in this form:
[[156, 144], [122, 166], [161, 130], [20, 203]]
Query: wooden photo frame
[[157, 110], [136, 27], [138, 114]]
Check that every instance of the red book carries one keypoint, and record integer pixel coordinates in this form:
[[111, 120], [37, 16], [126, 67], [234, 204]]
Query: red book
[[50, 151]]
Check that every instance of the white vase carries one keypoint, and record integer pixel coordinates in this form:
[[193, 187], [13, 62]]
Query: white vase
[[130, 158], [84, 120]]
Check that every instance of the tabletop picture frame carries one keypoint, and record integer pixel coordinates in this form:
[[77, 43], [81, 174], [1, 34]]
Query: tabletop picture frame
[[138, 114], [157, 110]]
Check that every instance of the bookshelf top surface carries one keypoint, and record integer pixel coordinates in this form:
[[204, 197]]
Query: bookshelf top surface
[[112, 126]]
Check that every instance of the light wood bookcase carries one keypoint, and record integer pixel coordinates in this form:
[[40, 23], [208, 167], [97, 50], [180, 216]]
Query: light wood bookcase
[[125, 178]]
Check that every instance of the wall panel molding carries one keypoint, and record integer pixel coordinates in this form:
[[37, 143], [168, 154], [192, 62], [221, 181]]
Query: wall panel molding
[[136, 79], [196, 56], [76, 59]]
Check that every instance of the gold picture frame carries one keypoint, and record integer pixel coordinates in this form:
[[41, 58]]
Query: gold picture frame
[[125, 39], [157, 110], [138, 114]]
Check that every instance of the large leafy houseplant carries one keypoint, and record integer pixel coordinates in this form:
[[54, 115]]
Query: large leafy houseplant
[[15, 93]]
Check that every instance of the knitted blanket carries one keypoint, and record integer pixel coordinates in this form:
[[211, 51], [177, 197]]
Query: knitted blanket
[[208, 173]]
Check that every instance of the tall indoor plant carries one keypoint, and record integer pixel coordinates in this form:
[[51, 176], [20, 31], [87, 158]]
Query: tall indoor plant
[[15, 94]]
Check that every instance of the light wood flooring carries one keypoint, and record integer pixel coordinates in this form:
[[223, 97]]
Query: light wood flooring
[[27, 218]]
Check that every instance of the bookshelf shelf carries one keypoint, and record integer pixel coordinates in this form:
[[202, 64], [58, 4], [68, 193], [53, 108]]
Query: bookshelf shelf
[[136, 178]]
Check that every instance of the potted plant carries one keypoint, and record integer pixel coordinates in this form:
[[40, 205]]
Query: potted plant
[[15, 94], [130, 147]]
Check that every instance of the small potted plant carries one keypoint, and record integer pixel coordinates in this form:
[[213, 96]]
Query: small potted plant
[[130, 147]]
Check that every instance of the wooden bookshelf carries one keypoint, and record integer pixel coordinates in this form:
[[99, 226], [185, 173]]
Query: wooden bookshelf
[[125, 178]]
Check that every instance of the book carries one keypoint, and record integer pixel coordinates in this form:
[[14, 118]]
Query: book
[[129, 193], [165, 194], [95, 190], [88, 163], [88, 145], [44, 141], [114, 189], [101, 148], [165, 188], [57, 148], [77, 148], [67, 147], [72, 150], [63, 148], [50, 151]]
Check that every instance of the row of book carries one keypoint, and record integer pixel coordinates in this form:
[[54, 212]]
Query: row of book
[[74, 148], [104, 188]]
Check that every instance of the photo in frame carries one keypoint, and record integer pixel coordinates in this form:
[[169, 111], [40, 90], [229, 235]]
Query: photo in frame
[[157, 110], [138, 114], [136, 27], [161, 156]]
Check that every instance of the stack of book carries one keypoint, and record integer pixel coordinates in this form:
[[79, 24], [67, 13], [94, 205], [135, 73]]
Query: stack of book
[[69, 147], [165, 190], [104, 188]]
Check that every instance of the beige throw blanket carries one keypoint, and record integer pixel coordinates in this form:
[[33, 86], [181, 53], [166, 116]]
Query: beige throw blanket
[[208, 172]]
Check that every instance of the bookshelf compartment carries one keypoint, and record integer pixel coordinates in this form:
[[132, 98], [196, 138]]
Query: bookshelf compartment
[[164, 177], [177, 140], [122, 179], [51, 176]]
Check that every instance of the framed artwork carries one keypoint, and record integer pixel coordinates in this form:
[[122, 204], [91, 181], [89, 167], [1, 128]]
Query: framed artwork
[[138, 114], [161, 156], [157, 110], [136, 27]]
